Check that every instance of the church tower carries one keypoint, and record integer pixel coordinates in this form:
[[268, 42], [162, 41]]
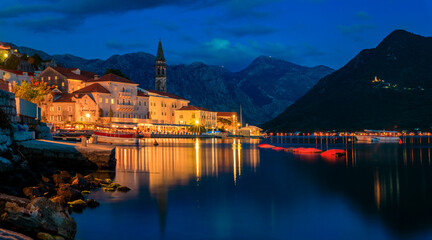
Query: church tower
[[160, 70]]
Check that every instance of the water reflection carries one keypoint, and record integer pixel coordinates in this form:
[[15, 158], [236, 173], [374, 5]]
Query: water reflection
[[175, 163]]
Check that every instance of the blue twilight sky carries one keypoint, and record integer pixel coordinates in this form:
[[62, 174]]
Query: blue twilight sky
[[219, 32]]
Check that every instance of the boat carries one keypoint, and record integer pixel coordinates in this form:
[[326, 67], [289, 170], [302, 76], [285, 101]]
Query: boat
[[381, 136], [71, 134], [116, 137]]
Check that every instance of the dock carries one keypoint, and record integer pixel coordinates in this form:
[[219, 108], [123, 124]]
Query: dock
[[69, 155]]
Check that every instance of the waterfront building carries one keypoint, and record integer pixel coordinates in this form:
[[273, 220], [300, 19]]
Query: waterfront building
[[81, 96], [192, 115], [227, 121]]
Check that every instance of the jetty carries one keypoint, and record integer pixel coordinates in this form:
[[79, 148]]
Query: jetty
[[76, 156]]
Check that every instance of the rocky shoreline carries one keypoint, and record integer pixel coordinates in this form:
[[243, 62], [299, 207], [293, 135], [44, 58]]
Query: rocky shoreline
[[37, 199]]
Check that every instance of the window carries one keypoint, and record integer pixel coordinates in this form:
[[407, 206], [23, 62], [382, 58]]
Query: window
[[59, 118], [115, 89], [69, 108], [56, 78], [49, 78], [118, 101], [181, 116], [163, 71], [42, 80], [193, 115], [62, 82], [52, 110], [59, 108], [139, 103], [100, 100], [112, 100], [52, 118], [106, 100], [145, 104]]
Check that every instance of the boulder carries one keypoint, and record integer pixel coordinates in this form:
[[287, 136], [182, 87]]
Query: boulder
[[6, 234], [123, 189], [34, 192], [62, 177], [38, 215], [77, 205], [68, 192], [91, 203], [80, 183], [5, 165]]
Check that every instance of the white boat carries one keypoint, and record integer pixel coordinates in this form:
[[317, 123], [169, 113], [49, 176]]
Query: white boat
[[115, 138]]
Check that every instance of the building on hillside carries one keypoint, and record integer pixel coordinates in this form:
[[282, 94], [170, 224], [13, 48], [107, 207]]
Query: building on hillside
[[15, 76], [227, 121], [192, 115], [67, 80]]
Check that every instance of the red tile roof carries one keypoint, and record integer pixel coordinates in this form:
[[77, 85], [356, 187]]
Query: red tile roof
[[17, 72], [226, 114], [142, 94], [65, 97], [95, 87], [166, 94], [112, 78], [67, 72], [190, 107]]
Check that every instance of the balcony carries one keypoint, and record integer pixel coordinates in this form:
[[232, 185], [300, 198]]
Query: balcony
[[121, 107], [125, 94]]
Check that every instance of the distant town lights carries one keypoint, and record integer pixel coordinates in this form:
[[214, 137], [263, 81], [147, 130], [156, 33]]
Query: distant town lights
[[6, 55]]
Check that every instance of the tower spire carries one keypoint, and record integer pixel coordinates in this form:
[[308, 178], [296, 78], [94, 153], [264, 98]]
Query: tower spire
[[160, 55], [160, 70]]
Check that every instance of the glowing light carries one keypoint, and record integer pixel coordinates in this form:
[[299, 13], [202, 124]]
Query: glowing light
[[196, 122], [88, 115], [6, 55]]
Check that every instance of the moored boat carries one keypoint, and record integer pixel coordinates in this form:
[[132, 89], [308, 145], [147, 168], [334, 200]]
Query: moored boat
[[116, 137]]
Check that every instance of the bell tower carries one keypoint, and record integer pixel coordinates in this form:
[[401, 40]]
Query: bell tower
[[160, 70]]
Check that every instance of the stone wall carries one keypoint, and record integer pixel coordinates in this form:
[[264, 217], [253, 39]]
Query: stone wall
[[8, 105]]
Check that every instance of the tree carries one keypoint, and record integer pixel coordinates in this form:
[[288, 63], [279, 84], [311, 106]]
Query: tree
[[35, 61], [24, 57], [116, 72], [33, 92], [12, 62]]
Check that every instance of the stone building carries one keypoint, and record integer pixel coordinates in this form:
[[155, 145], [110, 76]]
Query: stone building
[[192, 115], [160, 70]]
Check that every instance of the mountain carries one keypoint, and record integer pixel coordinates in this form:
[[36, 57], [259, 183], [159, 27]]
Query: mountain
[[388, 87], [263, 89]]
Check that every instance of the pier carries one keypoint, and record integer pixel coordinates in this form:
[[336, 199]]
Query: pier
[[67, 155]]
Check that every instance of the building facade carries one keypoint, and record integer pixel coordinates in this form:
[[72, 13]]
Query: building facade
[[192, 115]]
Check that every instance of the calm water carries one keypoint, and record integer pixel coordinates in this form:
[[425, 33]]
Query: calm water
[[214, 189]]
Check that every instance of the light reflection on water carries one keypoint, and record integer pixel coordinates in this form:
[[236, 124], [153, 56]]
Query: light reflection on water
[[231, 189]]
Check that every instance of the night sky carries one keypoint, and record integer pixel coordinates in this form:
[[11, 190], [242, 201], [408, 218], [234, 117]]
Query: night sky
[[228, 33]]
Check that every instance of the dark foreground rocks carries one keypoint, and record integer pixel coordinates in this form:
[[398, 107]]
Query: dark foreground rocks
[[39, 215]]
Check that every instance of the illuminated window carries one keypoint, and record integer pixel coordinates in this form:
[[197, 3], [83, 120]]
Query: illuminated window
[[112, 100], [115, 89], [62, 83], [52, 109], [49, 78], [42, 80], [100, 100], [55, 77], [52, 118], [59, 108], [106, 100], [59, 118]]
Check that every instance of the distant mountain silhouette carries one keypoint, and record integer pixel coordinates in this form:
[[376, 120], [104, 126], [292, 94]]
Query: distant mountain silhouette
[[264, 89], [351, 98]]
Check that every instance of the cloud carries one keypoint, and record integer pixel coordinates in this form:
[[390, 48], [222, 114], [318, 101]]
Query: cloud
[[169, 26], [124, 46], [250, 30], [355, 29], [49, 24], [362, 15]]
